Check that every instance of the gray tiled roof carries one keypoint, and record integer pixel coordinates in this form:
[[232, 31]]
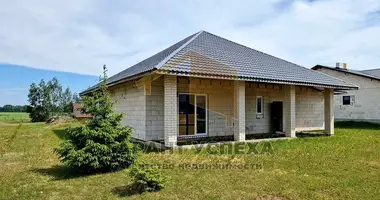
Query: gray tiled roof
[[206, 54], [371, 73], [149, 63], [145, 65]]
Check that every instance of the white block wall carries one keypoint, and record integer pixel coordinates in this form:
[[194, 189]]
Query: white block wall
[[170, 111], [309, 109], [131, 101], [329, 111], [289, 110], [239, 105], [146, 113], [220, 98], [260, 123], [155, 111]]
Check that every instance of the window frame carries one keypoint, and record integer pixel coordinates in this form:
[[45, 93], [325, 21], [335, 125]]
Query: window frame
[[344, 102], [261, 106], [195, 114]]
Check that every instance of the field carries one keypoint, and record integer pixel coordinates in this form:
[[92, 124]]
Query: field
[[345, 166], [14, 116]]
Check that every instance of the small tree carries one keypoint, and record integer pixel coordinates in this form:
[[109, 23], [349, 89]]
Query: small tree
[[146, 178], [103, 144], [66, 101], [54, 90], [40, 102]]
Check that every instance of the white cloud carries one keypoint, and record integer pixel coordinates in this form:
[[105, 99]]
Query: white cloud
[[80, 35]]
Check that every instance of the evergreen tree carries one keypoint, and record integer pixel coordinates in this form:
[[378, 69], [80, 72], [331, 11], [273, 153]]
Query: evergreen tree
[[103, 144]]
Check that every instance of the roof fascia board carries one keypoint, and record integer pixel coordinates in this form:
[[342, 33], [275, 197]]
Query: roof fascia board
[[255, 80], [121, 81]]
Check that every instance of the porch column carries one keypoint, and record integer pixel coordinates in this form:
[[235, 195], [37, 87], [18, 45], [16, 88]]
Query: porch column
[[170, 111], [239, 111], [290, 111], [329, 111]]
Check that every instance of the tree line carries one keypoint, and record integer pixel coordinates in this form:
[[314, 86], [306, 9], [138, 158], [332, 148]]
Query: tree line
[[13, 108], [47, 99]]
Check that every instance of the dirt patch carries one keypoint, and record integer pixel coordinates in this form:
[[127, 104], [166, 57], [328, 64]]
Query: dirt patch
[[59, 120]]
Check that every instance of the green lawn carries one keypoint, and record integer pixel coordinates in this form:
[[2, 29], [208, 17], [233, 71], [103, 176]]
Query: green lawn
[[14, 116], [346, 166]]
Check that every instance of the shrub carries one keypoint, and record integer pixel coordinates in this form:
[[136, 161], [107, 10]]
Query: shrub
[[146, 178], [103, 144]]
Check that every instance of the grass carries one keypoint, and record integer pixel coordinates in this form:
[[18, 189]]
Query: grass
[[15, 117], [345, 166]]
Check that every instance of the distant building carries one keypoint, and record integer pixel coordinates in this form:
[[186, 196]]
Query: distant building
[[356, 105], [77, 111]]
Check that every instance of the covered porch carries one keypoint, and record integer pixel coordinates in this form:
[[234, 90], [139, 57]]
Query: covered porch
[[241, 110]]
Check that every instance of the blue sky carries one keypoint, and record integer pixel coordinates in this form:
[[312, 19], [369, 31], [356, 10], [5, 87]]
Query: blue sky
[[80, 36], [15, 81]]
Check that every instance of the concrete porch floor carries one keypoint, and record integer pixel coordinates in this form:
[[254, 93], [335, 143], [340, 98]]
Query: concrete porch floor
[[191, 140], [199, 141]]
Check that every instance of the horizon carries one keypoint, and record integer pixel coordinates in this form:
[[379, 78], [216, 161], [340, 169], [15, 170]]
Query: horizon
[[15, 81]]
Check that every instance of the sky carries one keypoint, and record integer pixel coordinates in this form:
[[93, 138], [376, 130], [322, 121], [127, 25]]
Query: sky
[[79, 36], [15, 82]]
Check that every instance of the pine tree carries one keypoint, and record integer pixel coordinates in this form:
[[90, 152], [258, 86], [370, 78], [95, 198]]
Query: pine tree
[[103, 144]]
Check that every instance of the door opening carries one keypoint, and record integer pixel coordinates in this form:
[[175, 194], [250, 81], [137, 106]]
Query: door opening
[[277, 116]]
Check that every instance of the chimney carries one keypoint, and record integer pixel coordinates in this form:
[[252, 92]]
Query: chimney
[[340, 65]]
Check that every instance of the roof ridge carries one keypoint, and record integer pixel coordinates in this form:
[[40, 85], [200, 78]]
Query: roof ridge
[[267, 54], [171, 55], [351, 71], [369, 69]]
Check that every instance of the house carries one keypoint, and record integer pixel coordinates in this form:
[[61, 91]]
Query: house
[[208, 86], [356, 105], [77, 112]]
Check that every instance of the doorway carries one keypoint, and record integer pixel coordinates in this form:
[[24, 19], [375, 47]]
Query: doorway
[[277, 116]]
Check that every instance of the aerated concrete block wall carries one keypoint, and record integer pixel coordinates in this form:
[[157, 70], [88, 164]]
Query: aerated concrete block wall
[[309, 107], [155, 111], [260, 123], [146, 113], [130, 99], [220, 98], [170, 111]]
